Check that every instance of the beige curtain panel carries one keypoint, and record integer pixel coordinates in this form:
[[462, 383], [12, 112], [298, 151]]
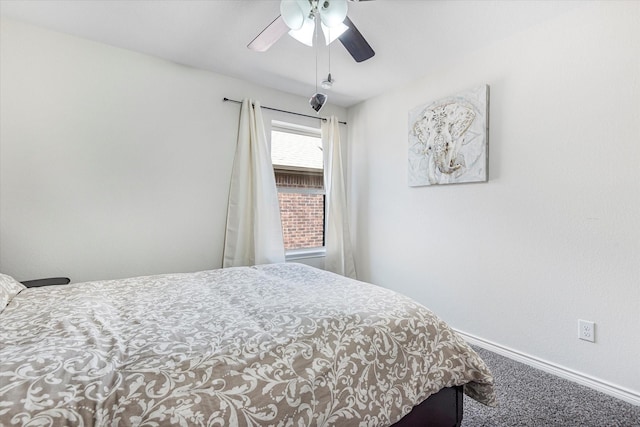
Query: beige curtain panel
[[254, 230], [339, 253]]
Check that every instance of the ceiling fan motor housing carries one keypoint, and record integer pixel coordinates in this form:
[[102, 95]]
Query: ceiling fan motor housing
[[296, 14]]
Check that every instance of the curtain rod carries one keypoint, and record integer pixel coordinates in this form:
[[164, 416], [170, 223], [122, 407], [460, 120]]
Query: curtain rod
[[284, 111]]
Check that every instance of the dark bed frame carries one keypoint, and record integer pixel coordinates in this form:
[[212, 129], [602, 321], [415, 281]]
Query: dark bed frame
[[443, 409]]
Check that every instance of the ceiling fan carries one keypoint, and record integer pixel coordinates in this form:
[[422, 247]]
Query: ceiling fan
[[300, 17]]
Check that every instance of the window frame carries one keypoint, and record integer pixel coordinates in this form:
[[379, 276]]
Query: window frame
[[293, 128]]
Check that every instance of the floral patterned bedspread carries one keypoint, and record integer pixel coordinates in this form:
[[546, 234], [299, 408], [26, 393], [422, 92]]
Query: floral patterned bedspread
[[281, 345]]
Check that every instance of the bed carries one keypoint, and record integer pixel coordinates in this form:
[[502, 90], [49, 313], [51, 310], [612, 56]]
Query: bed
[[269, 345]]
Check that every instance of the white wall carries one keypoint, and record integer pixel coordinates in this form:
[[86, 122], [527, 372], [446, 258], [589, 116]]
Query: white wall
[[554, 235], [113, 163]]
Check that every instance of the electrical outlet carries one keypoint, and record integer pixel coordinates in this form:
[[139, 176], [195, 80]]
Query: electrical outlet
[[586, 330]]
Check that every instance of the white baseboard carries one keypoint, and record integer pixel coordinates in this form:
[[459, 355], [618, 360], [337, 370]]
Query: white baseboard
[[621, 393]]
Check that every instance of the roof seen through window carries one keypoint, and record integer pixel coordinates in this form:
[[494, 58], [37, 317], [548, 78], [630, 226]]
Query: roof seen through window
[[289, 150]]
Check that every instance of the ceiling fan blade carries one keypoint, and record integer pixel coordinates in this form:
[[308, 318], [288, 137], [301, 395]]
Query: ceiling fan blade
[[355, 43], [269, 35]]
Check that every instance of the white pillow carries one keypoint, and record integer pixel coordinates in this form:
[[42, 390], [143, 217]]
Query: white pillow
[[9, 288]]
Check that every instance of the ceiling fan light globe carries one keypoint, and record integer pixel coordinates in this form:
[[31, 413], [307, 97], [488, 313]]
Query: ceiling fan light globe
[[305, 34], [331, 34], [305, 7], [332, 12], [292, 14]]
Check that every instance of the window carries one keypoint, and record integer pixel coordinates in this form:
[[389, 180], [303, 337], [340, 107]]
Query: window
[[296, 154]]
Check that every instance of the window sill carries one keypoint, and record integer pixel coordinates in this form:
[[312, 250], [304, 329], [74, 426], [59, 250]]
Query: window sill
[[295, 254]]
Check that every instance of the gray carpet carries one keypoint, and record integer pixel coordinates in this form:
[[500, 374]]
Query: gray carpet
[[530, 397]]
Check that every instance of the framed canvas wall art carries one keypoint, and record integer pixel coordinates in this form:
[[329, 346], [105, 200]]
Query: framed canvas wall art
[[448, 139]]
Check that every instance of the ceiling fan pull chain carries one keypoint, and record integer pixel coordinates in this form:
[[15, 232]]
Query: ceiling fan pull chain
[[315, 41], [318, 99]]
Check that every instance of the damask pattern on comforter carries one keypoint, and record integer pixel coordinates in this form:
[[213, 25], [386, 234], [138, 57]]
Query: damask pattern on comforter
[[281, 345]]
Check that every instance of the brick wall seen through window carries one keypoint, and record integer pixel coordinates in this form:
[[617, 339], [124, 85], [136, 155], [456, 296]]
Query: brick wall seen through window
[[297, 161]]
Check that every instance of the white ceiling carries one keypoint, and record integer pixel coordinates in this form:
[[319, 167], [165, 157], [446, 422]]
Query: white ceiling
[[409, 36]]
